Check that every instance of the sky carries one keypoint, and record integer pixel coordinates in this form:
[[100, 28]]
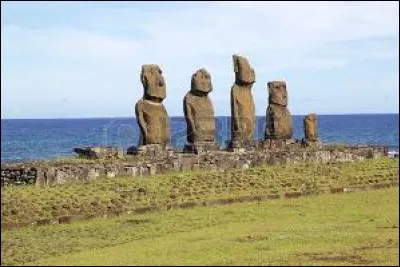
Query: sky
[[83, 59]]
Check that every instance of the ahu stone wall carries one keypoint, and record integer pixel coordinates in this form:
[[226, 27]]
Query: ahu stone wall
[[52, 173]]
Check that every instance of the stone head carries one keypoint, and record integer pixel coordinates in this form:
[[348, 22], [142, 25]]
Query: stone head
[[244, 73], [201, 82], [310, 118], [277, 93], [153, 82]]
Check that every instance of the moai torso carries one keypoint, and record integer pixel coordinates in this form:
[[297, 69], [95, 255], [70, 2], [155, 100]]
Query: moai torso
[[310, 127], [200, 120], [243, 113], [151, 114], [154, 122], [242, 103], [198, 109], [279, 122]]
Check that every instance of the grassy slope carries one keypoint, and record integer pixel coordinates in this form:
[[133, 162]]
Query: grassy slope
[[24, 204], [346, 229]]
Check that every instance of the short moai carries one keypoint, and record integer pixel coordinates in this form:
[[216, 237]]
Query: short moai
[[243, 117], [151, 114], [199, 114], [279, 123], [310, 129]]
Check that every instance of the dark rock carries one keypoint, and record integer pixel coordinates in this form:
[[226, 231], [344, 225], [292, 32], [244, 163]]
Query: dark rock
[[99, 152]]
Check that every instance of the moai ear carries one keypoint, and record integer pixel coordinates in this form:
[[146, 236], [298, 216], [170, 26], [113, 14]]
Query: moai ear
[[143, 79], [192, 83], [269, 84], [235, 63]]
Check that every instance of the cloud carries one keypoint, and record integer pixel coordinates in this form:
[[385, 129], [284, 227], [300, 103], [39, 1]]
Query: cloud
[[94, 59]]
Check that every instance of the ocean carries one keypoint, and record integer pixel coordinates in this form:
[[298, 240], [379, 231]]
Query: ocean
[[33, 139]]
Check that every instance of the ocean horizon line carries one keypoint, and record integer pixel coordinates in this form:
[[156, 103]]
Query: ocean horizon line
[[217, 116]]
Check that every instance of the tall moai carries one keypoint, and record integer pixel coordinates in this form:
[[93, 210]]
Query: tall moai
[[243, 117], [278, 119], [199, 114], [151, 114], [310, 129]]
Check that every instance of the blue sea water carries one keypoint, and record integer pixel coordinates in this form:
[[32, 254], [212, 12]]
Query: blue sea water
[[31, 139]]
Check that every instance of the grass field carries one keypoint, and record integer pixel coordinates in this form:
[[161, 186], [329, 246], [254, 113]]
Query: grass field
[[334, 229], [107, 195]]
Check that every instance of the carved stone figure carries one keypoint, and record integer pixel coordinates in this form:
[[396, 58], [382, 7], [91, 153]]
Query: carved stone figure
[[151, 114], [243, 117], [310, 127], [199, 113], [279, 120]]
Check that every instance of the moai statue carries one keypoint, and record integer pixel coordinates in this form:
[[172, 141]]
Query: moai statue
[[150, 112], [310, 129], [243, 117], [279, 121], [199, 114]]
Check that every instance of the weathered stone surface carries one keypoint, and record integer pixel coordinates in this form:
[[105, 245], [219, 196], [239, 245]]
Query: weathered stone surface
[[99, 152], [243, 119], [151, 114], [274, 144], [50, 173], [201, 81], [198, 109], [279, 123], [153, 150], [277, 93], [279, 120], [153, 82], [200, 147], [244, 73], [310, 127], [153, 122]]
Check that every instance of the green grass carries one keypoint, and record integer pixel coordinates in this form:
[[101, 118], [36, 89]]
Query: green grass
[[113, 195], [333, 229]]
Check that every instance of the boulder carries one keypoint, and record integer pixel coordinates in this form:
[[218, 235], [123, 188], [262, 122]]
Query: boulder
[[99, 152]]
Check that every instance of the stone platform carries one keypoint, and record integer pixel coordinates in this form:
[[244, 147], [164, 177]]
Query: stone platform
[[154, 160]]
